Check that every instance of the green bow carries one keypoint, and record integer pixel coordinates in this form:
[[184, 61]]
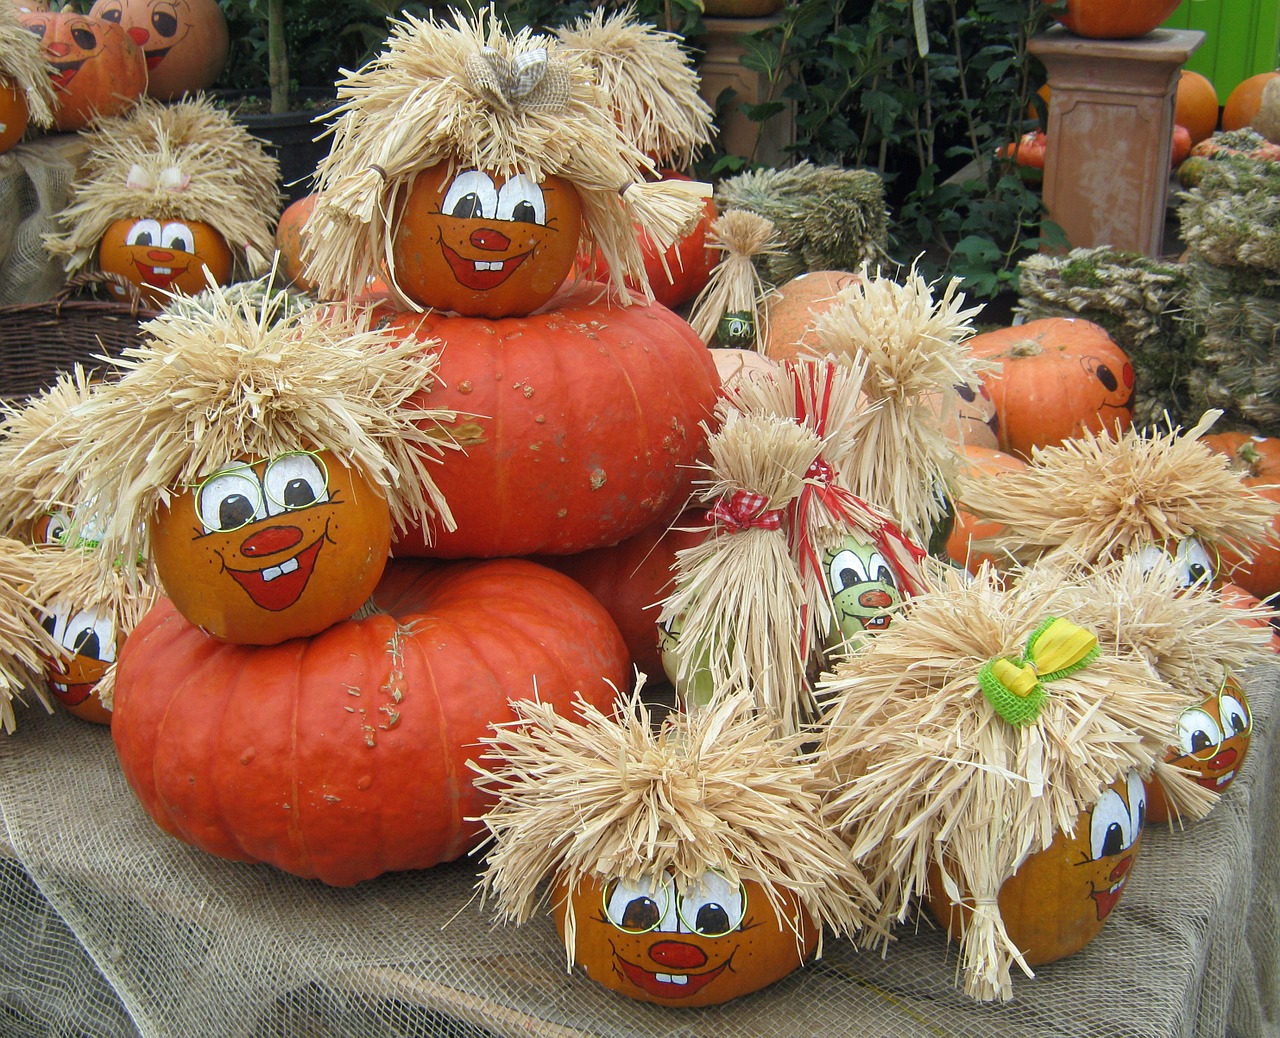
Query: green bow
[[1015, 687]]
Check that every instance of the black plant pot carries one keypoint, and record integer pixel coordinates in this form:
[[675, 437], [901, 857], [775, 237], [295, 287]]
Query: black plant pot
[[289, 136]]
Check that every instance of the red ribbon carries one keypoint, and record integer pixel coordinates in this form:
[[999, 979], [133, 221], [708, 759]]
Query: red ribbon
[[743, 510]]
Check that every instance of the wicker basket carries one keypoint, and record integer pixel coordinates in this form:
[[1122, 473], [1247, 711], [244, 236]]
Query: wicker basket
[[40, 340]]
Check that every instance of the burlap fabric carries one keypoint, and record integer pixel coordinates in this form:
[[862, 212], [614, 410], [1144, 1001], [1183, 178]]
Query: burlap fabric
[[35, 185], [110, 928]]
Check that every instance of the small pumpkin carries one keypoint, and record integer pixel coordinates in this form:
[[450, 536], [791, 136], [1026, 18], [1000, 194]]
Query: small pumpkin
[[1245, 99], [1057, 377], [967, 527], [161, 257], [185, 42], [14, 113], [1195, 105], [1112, 19], [90, 643], [793, 308], [1257, 459], [288, 239], [1028, 151]]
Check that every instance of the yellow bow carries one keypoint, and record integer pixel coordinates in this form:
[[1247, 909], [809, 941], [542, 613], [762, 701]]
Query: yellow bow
[[1015, 687]]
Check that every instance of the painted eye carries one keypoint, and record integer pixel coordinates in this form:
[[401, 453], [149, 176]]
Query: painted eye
[[846, 570], [37, 29], [164, 20], [639, 907], [1137, 802], [966, 393], [1110, 826], [521, 199], [177, 236], [1099, 370], [1195, 563], [295, 481], [879, 570], [471, 195], [86, 38], [144, 232], [90, 633], [712, 906], [1198, 733], [1151, 558], [1236, 718], [51, 528], [110, 12], [229, 499]]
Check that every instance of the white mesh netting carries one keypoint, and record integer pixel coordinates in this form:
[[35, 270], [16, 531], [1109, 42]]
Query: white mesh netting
[[110, 928], [35, 185]]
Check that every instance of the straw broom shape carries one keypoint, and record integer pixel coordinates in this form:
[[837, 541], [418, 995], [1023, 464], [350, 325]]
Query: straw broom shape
[[456, 93], [235, 382], [1098, 496], [22, 62], [24, 643], [650, 80], [606, 797], [736, 609], [914, 348], [735, 286], [923, 768], [186, 160]]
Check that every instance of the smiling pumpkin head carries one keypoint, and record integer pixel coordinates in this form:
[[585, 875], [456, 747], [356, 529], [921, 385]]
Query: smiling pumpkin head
[[26, 90], [185, 42]]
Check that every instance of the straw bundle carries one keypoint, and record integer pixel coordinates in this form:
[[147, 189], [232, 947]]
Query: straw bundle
[[605, 798], [186, 160], [735, 288], [650, 80], [24, 643], [926, 769], [1096, 497], [1231, 217], [23, 63], [468, 94]]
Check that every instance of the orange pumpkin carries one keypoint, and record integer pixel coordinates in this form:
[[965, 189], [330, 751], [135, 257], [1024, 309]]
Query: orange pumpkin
[[1060, 896], [161, 258], [14, 114], [484, 245], [1196, 105], [1244, 100], [967, 528], [289, 241], [1113, 19], [97, 67], [698, 947], [90, 640], [265, 551], [1058, 377], [792, 309], [185, 42], [1257, 459]]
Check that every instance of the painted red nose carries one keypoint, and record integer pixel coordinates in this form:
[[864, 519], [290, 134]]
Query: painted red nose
[[1122, 867], [140, 35], [271, 540], [159, 256], [490, 240], [58, 50], [875, 599], [1222, 761], [678, 955]]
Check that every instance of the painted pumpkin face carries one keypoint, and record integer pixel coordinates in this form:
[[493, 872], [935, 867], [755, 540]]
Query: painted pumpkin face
[[864, 590], [698, 947], [268, 550], [160, 258], [14, 114], [485, 246], [697, 687], [89, 638], [1194, 563], [185, 42]]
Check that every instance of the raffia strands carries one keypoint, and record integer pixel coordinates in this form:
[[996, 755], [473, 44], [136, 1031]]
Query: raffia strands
[[23, 63], [921, 768], [616, 797], [234, 383], [1098, 496], [737, 600], [428, 99], [914, 347], [651, 80], [24, 643], [735, 285], [184, 160]]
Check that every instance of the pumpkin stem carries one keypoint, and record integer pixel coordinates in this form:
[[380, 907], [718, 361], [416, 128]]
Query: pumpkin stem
[[1026, 348], [370, 608]]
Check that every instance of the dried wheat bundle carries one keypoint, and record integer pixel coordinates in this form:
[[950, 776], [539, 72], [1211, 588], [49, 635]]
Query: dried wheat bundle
[[1231, 216], [24, 643], [915, 352], [1098, 496], [651, 81], [23, 63], [184, 160], [470, 94], [736, 611], [735, 288], [935, 756], [234, 382], [616, 797]]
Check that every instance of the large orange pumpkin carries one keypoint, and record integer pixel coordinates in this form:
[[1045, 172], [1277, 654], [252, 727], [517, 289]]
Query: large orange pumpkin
[[1244, 100], [97, 67], [262, 552], [485, 245], [792, 309], [288, 241], [1196, 105], [966, 528], [14, 114], [162, 258], [1060, 896], [1257, 459], [185, 42], [1058, 377], [579, 424], [343, 756], [1113, 19], [693, 948]]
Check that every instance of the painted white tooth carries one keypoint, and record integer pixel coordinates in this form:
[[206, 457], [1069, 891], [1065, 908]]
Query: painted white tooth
[[289, 565], [163, 270], [270, 573], [60, 686], [1224, 779], [672, 978]]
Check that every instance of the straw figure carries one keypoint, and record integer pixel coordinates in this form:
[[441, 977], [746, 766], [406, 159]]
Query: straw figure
[[470, 167], [172, 197], [730, 311], [688, 863], [987, 752], [1097, 497], [24, 643], [261, 463], [26, 91]]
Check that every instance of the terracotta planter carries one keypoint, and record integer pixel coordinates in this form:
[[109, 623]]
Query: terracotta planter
[[741, 8]]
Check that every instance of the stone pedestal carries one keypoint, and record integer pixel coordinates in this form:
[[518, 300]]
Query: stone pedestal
[[1106, 176], [722, 70]]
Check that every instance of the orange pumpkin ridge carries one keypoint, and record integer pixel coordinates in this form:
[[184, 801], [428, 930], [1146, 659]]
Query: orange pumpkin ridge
[[1245, 99]]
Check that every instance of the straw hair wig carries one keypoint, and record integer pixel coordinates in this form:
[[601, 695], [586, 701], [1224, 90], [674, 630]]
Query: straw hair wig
[[468, 94], [186, 160], [617, 797], [651, 81], [24, 643], [1098, 496], [238, 381], [22, 62], [930, 761]]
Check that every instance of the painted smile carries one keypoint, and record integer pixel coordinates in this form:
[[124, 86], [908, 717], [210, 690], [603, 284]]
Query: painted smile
[[65, 72], [1106, 898], [159, 277], [154, 57], [71, 695], [278, 586], [482, 274], [669, 985], [1216, 781]]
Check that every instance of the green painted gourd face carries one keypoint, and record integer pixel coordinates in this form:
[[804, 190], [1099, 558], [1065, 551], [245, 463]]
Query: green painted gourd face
[[865, 590]]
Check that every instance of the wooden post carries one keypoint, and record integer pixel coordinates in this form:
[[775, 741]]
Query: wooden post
[[720, 70]]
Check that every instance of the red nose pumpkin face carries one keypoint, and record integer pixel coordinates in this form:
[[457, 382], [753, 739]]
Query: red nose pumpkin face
[[88, 638], [164, 256], [185, 42], [483, 245]]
